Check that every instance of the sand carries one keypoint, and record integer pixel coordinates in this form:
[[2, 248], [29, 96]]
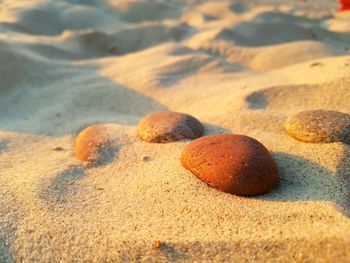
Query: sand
[[238, 66]]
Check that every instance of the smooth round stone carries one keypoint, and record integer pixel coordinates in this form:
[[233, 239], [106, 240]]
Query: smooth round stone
[[168, 126], [93, 144], [232, 163], [319, 126]]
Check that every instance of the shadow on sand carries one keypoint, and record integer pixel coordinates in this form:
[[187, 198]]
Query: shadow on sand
[[304, 180], [63, 185]]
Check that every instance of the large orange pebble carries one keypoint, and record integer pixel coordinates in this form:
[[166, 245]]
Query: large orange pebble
[[93, 144], [232, 163]]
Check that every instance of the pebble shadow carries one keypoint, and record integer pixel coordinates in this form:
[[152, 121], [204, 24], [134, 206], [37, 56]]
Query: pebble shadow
[[5, 252], [107, 154], [304, 180], [239, 8], [214, 129], [343, 172], [257, 100], [63, 185], [4, 145], [232, 251], [172, 253]]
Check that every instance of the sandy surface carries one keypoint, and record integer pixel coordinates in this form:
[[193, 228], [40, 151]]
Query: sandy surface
[[239, 67]]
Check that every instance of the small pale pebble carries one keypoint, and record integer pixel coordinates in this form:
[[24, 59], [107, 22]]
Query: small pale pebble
[[315, 64], [231, 163], [319, 126], [59, 149], [146, 158], [168, 126]]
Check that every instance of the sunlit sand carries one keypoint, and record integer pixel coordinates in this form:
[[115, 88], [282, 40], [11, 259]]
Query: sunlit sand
[[240, 67]]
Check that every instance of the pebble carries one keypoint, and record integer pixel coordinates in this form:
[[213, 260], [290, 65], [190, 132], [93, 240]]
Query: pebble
[[168, 126], [93, 144], [319, 126], [232, 163]]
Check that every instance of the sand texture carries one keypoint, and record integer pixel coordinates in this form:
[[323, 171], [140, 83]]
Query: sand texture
[[239, 67]]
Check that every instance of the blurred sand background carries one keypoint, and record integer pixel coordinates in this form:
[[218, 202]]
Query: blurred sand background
[[238, 66]]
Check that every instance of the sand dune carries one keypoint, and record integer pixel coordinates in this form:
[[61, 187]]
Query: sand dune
[[238, 66]]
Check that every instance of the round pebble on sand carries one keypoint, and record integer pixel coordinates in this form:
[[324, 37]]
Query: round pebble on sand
[[168, 126], [319, 126], [231, 163], [93, 145]]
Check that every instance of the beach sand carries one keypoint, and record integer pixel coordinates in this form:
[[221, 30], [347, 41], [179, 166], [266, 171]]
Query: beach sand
[[238, 66]]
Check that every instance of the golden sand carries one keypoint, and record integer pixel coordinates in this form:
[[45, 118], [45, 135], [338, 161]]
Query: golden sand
[[238, 66]]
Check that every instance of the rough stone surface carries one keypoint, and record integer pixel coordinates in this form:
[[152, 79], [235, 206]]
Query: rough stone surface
[[232, 163], [319, 126], [163, 127]]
